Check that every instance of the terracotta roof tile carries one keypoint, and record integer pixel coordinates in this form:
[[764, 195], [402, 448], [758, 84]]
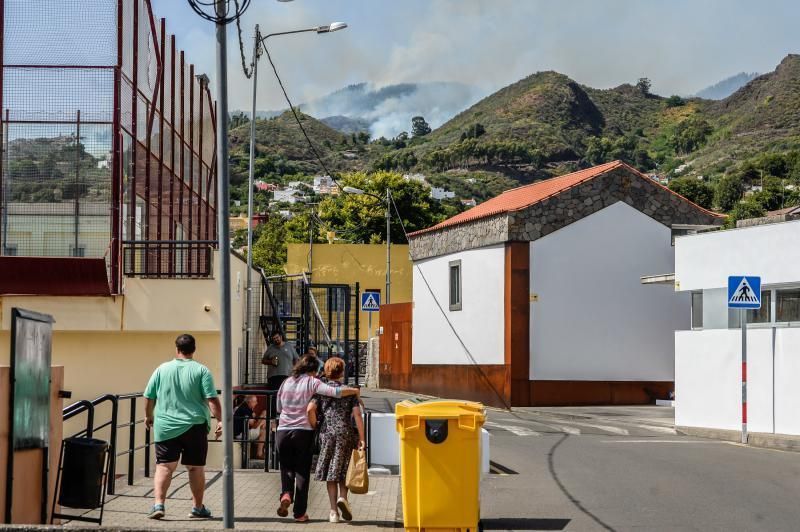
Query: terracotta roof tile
[[523, 197]]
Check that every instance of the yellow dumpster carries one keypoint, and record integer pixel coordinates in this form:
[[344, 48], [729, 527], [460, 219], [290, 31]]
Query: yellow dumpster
[[440, 463]]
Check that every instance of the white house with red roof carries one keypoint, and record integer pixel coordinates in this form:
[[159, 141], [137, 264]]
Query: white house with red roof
[[534, 297]]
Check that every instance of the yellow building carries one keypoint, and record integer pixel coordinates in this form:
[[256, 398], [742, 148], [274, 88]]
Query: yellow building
[[364, 264]]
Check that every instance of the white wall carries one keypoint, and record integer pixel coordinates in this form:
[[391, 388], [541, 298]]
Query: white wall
[[480, 323], [706, 260], [708, 379], [593, 319]]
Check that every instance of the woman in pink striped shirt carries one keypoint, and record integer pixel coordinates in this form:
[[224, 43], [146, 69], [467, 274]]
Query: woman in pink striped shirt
[[295, 437]]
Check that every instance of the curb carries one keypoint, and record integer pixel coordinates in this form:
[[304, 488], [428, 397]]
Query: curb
[[765, 440]]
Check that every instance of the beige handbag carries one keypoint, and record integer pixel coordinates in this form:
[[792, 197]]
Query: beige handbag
[[357, 479]]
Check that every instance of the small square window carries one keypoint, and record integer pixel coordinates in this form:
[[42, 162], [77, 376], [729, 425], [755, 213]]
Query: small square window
[[455, 285], [10, 250], [79, 251]]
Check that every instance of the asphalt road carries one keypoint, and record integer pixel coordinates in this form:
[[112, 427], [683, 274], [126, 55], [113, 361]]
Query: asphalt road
[[624, 468]]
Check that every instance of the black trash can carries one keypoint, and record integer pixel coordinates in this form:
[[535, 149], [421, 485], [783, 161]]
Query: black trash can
[[82, 473]]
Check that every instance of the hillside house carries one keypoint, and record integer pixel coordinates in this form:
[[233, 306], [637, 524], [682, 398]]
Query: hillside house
[[534, 297], [438, 193]]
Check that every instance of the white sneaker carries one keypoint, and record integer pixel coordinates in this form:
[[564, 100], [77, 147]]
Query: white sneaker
[[344, 506], [334, 517]]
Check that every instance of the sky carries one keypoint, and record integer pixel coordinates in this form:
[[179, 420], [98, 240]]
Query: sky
[[681, 45]]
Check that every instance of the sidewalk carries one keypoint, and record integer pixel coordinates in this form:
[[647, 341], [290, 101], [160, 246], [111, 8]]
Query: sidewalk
[[256, 499]]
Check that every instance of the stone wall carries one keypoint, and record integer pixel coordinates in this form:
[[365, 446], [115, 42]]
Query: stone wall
[[562, 209], [480, 233]]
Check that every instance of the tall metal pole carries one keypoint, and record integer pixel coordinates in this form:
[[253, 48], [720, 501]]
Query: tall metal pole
[[311, 245], [388, 246], [743, 318], [249, 296], [225, 267]]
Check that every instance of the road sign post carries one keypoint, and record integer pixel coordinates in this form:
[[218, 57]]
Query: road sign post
[[744, 292], [370, 302]]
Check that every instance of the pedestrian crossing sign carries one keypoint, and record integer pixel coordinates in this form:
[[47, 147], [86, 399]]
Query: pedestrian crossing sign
[[744, 292], [370, 302]]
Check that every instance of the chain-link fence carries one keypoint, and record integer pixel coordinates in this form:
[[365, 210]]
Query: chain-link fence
[[108, 137]]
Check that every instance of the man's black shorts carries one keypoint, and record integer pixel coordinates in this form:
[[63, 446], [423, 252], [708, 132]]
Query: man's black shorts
[[191, 447]]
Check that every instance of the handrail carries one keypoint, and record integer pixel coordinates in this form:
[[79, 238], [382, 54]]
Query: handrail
[[87, 406], [317, 313], [272, 303]]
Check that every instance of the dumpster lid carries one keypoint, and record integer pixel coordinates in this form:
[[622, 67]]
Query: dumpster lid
[[438, 408]]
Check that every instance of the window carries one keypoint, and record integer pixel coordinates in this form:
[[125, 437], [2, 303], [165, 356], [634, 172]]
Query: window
[[787, 305], [79, 251], [11, 250], [697, 310], [760, 316], [455, 285]]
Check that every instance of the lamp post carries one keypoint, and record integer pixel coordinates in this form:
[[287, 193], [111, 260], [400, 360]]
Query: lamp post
[[388, 200], [258, 41]]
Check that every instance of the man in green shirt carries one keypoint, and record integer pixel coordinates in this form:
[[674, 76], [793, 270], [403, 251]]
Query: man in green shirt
[[179, 395]]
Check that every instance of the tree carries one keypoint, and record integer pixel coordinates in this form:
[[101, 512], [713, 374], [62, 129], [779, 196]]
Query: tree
[[744, 210], [674, 101], [690, 135], [728, 193], [419, 127], [643, 84], [269, 251], [694, 190], [238, 119], [362, 218]]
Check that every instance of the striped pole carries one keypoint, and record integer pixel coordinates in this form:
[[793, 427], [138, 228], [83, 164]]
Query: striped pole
[[743, 320]]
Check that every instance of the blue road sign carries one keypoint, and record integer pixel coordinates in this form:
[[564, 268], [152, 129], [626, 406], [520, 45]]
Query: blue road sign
[[370, 302], [744, 292]]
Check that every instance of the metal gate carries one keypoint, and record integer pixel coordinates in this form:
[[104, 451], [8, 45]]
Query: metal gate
[[324, 316]]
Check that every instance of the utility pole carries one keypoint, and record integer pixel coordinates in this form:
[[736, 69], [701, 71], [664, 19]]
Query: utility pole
[[311, 244], [223, 234], [249, 295], [388, 246]]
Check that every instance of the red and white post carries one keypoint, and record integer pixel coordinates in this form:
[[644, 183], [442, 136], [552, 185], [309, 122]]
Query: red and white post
[[743, 321]]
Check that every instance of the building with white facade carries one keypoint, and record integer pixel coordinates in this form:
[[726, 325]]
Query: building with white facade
[[439, 193], [287, 195], [708, 357], [534, 297]]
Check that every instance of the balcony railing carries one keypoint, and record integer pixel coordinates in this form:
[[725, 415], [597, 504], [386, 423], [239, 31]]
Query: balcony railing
[[168, 259]]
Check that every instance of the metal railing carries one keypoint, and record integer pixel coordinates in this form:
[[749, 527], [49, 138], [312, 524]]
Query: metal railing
[[168, 259], [113, 424]]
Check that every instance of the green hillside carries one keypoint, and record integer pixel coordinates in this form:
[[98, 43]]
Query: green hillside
[[547, 124]]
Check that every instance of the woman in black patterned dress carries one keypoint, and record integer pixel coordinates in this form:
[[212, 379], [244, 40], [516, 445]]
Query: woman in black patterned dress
[[338, 438]]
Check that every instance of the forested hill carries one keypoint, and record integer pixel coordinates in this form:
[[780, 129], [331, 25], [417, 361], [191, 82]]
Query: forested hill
[[547, 124]]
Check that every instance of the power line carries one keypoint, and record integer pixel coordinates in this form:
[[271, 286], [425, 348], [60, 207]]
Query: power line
[[297, 118], [248, 73], [200, 7]]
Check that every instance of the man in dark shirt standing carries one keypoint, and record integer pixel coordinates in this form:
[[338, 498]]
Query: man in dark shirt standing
[[280, 357]]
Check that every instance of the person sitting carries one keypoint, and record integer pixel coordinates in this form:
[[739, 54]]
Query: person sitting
[[248, 427]]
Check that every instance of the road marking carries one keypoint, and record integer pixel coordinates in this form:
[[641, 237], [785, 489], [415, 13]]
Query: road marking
[[515, 429], [665, 441], [657, 428], [607, 428]]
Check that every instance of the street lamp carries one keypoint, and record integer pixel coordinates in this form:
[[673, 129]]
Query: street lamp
[[388, 200], [258, 41]]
